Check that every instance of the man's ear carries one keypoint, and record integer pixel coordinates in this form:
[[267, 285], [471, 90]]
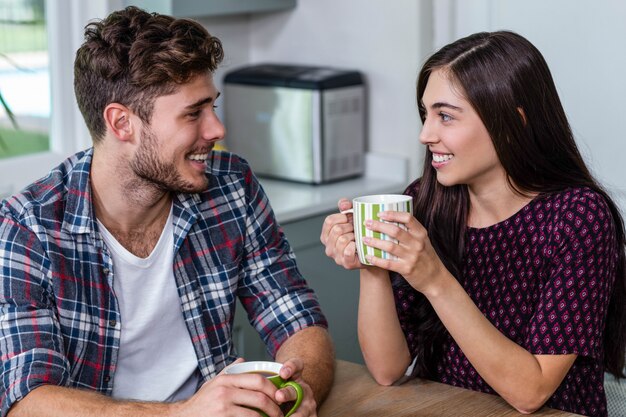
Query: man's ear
[[117, 118]]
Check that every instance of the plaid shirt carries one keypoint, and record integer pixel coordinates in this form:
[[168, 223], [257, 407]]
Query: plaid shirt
[[59, 318]]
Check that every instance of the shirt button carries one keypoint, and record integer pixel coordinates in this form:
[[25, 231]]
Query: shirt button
[[105, 271], [107, 378], [112, 323]]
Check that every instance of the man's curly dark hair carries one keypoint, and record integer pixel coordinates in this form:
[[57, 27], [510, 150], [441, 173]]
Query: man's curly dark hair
[[132, 57]]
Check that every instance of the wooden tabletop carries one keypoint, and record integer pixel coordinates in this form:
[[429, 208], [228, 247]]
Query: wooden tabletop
[[355, 393]]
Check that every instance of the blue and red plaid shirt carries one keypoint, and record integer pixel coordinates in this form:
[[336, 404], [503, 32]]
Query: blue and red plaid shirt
[[59, 319]]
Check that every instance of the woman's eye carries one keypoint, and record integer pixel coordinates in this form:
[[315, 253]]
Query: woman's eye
[[445, 117]]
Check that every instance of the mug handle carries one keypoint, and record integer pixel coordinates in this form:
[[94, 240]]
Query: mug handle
[[349, 211], [299, 393]]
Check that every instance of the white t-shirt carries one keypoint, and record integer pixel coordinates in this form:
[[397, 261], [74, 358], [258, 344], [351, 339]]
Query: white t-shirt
[[156, 359]]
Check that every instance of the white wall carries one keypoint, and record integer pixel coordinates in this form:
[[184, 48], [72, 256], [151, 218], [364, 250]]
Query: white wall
[[386, 40], [584, 44]]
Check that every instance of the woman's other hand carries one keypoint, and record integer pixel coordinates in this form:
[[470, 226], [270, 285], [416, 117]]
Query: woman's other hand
[[338, 237]]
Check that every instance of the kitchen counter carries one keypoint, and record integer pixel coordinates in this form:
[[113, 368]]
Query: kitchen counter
[[293, 201]]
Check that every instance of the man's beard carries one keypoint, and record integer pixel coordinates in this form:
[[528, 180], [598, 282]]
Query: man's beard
[[164, 176]]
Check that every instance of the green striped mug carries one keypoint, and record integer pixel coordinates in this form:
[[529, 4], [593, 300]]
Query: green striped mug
[[368, 207]]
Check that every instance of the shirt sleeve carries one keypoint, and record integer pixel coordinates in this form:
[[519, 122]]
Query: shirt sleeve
[[30, 343], [276, 296], [572, 306]]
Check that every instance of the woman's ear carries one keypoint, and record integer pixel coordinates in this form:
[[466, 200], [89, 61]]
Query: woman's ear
[[117, 118], [523, 114]]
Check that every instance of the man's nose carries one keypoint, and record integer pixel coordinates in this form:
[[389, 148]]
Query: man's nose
[[213, 129]]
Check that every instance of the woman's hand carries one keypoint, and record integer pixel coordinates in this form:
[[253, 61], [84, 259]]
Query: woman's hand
[[416, 260], [338, 237]]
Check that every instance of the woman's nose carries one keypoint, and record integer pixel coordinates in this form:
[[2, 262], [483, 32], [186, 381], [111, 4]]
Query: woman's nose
[[427, 134]]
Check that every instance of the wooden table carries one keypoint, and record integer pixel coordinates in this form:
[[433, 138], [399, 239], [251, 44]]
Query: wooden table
[[355, 393]]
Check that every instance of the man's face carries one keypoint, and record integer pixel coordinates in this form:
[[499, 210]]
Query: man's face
[[173, 148]]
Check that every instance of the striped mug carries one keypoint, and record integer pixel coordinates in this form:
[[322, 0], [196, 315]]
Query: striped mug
[[368, 207]]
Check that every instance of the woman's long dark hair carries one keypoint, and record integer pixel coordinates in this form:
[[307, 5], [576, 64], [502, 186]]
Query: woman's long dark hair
[[509, 85]]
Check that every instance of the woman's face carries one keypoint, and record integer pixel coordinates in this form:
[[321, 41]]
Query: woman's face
[[462, 150]]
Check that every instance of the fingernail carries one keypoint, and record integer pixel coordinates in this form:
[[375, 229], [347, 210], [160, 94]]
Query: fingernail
[[368, 223], [366, 239]]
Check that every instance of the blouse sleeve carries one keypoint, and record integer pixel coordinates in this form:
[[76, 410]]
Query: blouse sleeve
[[581, 262]]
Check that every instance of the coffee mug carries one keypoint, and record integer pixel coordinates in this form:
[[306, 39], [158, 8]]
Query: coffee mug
[[269, 370], [367, 208]]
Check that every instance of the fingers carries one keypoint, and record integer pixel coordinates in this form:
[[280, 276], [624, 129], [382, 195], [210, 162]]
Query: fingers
[[396, 216], [405, 220], [337, 239], [286, 394], [249, 382], [257, 400], [387, 264], [344, 253], [330, 227], [292, 368], [340, 235], [405, 223], [344, 204], [234, 395], [388, 246], [349, 251], [333, 219], [389, 229], [308, 408], [238, 360]]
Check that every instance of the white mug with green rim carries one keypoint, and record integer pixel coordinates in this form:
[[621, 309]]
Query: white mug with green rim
[[269, 370], [366, 208]]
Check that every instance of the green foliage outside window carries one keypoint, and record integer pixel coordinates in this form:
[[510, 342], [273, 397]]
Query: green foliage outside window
[[22, 29]]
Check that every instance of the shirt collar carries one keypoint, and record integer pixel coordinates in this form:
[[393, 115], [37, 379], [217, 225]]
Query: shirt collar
[[79, 217]]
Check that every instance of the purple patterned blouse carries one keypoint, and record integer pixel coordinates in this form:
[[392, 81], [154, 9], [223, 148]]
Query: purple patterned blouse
[[543, 277]]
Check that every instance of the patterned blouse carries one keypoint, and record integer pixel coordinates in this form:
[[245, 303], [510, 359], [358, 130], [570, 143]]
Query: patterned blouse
[[543, 278]]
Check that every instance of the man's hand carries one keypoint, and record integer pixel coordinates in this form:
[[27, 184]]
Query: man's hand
[[232, 395], [292, 370], [307, 355]]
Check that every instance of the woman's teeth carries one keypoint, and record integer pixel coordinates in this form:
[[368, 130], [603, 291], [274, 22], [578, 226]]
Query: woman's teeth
[[438, 157]]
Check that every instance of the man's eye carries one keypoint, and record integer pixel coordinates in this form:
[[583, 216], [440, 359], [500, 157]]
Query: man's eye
[[194, 115]]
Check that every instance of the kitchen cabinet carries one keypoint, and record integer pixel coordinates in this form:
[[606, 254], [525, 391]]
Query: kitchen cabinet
[[336, 288], [196, 9]]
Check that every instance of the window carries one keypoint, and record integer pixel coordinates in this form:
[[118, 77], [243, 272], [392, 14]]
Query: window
[[24, 78], [62, 22]]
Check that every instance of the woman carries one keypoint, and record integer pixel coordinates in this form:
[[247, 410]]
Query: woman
[[510, 276]]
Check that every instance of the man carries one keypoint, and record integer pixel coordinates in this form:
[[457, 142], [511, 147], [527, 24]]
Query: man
[[121, 268]]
